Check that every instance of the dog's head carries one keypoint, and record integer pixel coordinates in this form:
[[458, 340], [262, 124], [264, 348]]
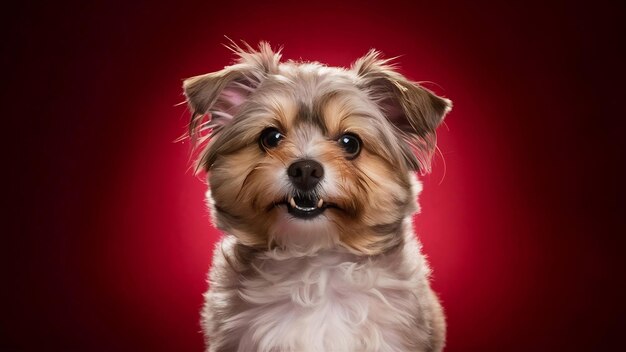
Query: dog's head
[[304, 156]]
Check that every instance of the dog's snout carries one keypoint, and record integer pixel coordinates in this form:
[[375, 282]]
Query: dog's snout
[[305, 174]]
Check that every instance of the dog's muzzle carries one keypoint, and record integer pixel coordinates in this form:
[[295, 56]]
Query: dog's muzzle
[[305, 174]]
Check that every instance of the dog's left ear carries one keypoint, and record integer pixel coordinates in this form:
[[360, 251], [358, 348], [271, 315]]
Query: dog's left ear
[[414, 110]]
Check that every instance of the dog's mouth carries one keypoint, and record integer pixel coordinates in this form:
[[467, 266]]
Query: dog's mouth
[[305, 206]]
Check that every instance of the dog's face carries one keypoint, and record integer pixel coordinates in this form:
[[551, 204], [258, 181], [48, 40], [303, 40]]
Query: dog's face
[[304, 156]]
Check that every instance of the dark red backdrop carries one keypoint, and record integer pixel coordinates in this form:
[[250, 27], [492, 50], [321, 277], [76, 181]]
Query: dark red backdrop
[[108, 238]]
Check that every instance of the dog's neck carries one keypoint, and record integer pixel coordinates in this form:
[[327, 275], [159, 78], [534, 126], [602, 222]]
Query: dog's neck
[[246, 256]]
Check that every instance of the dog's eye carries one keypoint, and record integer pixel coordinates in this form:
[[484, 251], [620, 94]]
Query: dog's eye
[[270, 138], [351, 144]]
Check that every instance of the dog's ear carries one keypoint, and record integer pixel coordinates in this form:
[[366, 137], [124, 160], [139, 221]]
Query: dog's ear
[[215, 98], [414, 110]]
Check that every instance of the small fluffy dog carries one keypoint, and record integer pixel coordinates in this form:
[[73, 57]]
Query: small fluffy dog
[[312, 180]]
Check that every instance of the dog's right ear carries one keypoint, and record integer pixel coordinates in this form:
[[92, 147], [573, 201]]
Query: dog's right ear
[[215, 98]]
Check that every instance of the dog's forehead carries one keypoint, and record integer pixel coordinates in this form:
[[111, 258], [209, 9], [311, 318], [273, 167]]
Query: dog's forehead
[[318, 93], [309, 114]]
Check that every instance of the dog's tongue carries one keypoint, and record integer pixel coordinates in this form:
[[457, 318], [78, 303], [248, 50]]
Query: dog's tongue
[[305, 202]]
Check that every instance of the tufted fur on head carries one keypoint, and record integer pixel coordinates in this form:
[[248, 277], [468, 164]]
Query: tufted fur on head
[[414, 110], [365, 199]]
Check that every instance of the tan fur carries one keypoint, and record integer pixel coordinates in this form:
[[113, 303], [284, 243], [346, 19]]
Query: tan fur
[[312, 105]]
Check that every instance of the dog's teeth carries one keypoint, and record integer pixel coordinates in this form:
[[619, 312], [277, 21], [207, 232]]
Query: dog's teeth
[[292, 202], [320, 203]]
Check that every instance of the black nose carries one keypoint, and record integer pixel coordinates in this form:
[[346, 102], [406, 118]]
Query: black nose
[[305, 174]]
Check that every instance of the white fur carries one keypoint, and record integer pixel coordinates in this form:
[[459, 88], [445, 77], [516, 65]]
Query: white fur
[[328, 301]]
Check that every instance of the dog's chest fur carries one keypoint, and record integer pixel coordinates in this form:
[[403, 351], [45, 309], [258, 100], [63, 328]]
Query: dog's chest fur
[[332, 301]]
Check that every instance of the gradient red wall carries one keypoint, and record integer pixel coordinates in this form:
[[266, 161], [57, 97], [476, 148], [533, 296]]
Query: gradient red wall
[[108, 237]]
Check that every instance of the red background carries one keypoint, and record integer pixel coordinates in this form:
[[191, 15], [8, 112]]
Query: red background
[[108, 240]]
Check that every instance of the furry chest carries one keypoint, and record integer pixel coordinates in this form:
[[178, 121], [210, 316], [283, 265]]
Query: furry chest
[[326, 304]]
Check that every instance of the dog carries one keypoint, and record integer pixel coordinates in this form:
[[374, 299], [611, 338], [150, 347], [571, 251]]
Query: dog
[[312, 179]]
